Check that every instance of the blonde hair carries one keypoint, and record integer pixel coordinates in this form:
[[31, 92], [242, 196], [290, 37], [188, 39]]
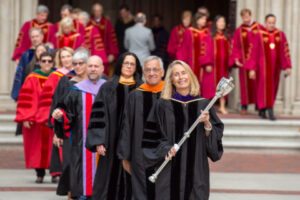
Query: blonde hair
[[245, 11], [68, 49], [169, 88], [64, 22]]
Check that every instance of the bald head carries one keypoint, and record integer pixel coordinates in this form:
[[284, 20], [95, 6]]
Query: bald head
[[94, 68], [140, 18]]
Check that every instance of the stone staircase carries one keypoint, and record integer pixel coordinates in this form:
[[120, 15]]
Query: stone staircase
[[239, 135], [262, 135], [7, 132]]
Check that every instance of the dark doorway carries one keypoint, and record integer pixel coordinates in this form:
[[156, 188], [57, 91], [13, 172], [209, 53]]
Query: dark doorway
[[170, 10]]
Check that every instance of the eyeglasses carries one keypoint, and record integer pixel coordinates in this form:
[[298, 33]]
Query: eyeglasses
[[78, 63], [47, 61], [155, 70], [130, 64]]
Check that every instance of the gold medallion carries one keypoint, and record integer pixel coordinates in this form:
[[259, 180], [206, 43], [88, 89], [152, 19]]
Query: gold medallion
[[272, 45]]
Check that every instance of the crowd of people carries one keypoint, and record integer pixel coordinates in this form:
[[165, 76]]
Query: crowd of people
[[102, 106]]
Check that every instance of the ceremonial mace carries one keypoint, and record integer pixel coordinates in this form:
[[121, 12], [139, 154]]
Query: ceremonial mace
[[224, 87]]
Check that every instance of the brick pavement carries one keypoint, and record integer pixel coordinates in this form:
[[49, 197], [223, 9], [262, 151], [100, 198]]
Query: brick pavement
[[230, 162]]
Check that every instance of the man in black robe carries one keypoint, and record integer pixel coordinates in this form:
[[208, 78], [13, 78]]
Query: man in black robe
[[79, 103], [125, 21], [111, 181], [136, 111]]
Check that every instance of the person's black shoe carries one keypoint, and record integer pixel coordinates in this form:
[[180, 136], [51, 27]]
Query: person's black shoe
[[271, 114], [39, 179], [262, 113], [55, 179]]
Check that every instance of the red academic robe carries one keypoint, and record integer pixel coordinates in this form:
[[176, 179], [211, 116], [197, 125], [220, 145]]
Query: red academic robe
[[72, 40], [273, 55], [222, 56], [46, 96], [174, 40], [243, 49], [108, 34], [78, 27], [23, 42], [196, 50], [94, 42], [37, 139]]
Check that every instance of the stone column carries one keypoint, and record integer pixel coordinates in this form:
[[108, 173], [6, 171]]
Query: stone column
[[286, 11], [13, 13]]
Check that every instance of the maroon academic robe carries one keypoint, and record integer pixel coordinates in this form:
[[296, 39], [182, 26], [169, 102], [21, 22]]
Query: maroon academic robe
[[37, 139], [72, 40], [23, 42], [174, 40], [108, 34], [78, 27], [196, 50], [243, 49], [94, 42], [273, 55], [222, 56]]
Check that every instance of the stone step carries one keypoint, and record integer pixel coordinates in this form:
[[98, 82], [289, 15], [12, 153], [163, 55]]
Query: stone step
[[259, 125], [7, 119]]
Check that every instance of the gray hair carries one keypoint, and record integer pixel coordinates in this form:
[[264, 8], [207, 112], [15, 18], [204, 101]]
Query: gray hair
[[36, 29], [85, 15], [80, 55], [65, 7], [155, 58], [140, 17], [41, 9]]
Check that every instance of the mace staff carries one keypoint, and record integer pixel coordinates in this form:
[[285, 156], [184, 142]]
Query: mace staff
[[224, 87]]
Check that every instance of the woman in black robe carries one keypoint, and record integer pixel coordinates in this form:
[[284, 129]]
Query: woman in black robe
[[187, 176], [111, 181]]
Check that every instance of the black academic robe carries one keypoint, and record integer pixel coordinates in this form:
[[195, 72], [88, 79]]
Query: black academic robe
[[61, 91], [74, 116], [187, 176], [136, 111], [57, 155], [111, 180]]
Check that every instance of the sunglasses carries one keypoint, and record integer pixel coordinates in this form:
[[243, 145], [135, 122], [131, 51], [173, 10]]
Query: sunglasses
[[78, 63], [46, 61]]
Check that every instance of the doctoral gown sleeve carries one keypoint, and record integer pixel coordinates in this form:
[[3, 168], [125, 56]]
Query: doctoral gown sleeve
[[124, 148], [155, 142], [27, 101], [98, 125], [214, 145], [62, 126]]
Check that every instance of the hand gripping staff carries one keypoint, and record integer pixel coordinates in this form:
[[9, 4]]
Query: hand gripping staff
[[224, 87]]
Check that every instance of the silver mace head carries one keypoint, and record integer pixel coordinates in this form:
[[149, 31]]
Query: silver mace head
[[225, 86]]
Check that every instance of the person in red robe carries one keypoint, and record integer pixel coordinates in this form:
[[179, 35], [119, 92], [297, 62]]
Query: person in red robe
[[23, 42], [93, 38], [66, 11], [273, 55], [206, 12], [242, 50], [67, 35], [107, 32], [177, 33], [37, 138], [45, 102], [222, 52], [196, 50]]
